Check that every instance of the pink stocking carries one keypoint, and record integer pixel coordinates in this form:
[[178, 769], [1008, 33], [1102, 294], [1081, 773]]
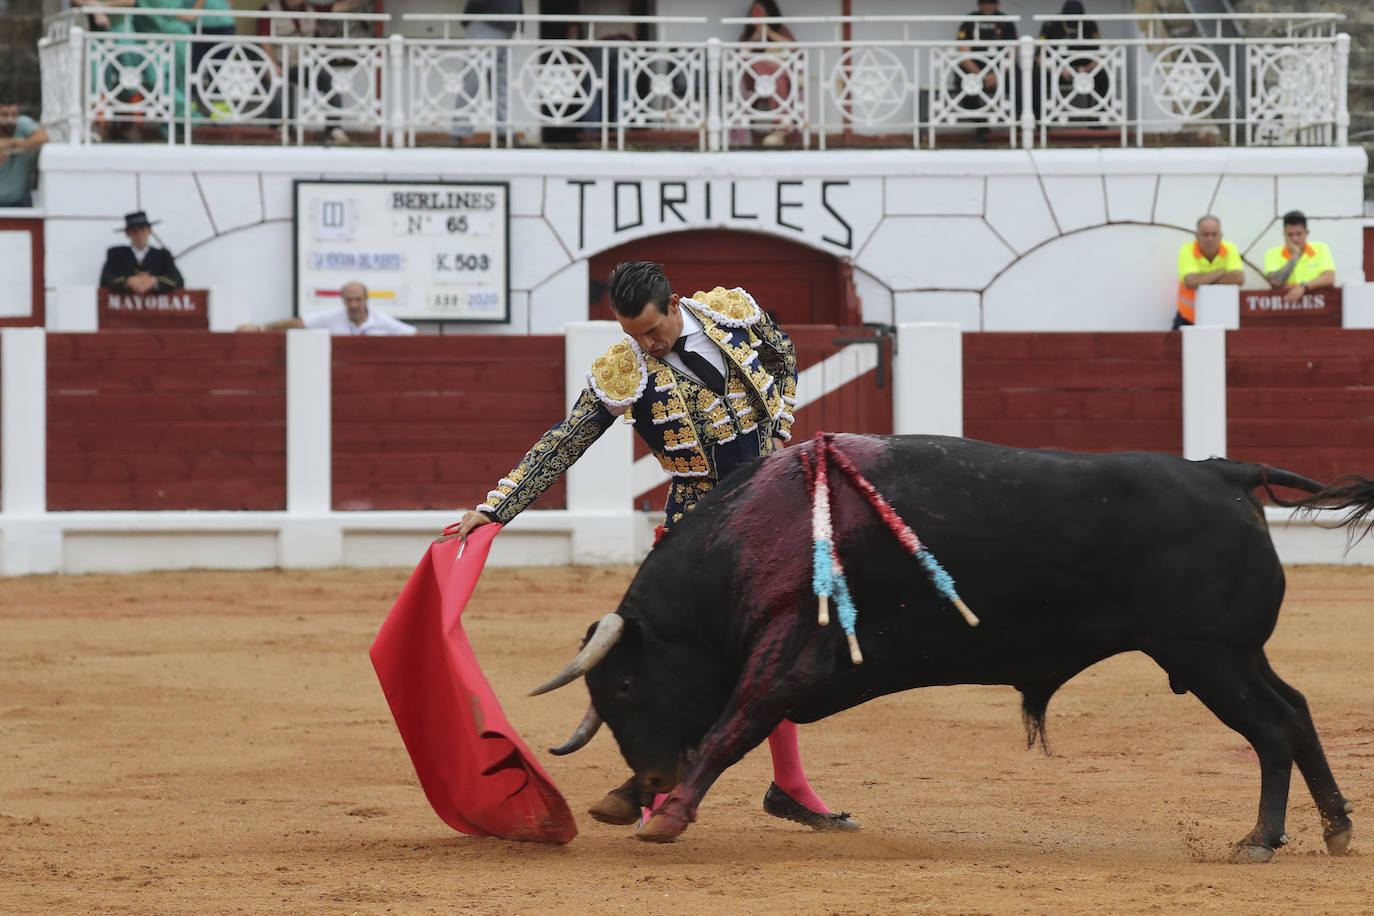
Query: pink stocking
[[787, 767], [649, 812]]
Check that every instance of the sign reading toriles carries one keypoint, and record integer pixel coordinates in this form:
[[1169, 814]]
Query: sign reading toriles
[[1267, 308], [429, 251]]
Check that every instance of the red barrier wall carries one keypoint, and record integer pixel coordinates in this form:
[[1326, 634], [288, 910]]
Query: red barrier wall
[[435, 422], [188, 420], [1082, 391], [1302, 400], [168, 420]]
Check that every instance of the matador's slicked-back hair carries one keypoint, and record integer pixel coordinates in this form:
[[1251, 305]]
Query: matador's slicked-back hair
[[634, 284]]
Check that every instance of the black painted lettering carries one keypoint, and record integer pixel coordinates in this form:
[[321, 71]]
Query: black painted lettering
[[848, 242], [734, 209], [787, 203], [581, 209], [666, 203], [639, 205]]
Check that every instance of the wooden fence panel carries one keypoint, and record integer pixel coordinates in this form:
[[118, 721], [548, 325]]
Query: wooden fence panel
[[434, 422], [166, 420], [1090, 392]]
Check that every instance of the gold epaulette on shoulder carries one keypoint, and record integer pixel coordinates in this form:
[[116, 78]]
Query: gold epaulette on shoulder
[[618, 377], [731, 307]]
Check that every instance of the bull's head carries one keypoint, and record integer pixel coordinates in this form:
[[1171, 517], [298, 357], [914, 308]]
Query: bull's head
[[656, 710]]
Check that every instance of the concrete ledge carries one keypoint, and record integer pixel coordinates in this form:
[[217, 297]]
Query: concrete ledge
[[1313, 541], [83, 542]]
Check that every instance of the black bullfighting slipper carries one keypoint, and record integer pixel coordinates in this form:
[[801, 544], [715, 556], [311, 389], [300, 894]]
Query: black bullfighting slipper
[[619, 806], [779, 804]]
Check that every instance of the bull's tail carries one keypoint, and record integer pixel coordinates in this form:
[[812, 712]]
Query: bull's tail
[[1352, 492]]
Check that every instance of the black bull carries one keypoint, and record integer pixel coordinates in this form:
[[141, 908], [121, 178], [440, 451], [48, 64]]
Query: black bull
[[1066, 558]]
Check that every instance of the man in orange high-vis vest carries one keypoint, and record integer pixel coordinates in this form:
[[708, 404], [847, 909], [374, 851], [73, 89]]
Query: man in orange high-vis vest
[[1311, 269], [1202, 262]]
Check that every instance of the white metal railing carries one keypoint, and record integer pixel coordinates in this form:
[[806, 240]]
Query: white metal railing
[[1286, 86]]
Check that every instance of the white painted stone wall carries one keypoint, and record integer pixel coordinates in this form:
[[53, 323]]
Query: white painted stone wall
[[987, 239]]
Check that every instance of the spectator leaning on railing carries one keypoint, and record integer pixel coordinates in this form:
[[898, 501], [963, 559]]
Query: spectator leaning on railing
[[22, 136], [352, 319], [1202, 262], [1298, 266]]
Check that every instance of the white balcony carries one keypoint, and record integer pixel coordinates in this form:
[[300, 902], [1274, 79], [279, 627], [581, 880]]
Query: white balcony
[[1284, 83]]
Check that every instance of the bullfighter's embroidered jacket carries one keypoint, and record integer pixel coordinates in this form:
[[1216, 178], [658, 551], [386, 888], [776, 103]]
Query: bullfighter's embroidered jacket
[[681, 420]]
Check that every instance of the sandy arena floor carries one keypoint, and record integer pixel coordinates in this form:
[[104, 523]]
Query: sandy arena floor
[[217, 743]]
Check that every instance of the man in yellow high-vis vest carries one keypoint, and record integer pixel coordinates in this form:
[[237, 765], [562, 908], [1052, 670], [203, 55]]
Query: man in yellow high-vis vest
[[1202, 262], [1312, 268]]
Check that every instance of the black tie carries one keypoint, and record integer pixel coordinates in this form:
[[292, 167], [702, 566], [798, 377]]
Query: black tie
[[701, 366]]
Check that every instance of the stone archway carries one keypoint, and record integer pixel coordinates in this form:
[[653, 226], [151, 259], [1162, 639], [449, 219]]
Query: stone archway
[[798, 284]]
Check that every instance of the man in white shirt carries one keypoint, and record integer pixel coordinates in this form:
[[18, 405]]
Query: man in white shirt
[[352, 319]]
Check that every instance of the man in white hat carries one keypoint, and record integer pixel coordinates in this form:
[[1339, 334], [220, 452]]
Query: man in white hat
[[138, 267]]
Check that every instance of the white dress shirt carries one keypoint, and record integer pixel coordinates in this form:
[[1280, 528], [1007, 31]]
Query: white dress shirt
[[698, 343], [378, 323]]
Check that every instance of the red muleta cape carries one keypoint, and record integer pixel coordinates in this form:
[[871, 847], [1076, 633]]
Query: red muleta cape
[[476, 771]]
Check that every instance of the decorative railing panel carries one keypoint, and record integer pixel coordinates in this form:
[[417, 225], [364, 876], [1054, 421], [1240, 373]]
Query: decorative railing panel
[[764, 87], [974, 86], [1293, 93], [238, 80], [662, 87], [341, 81], [451, 86]]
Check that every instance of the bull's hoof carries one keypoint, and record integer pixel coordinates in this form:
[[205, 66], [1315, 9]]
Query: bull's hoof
[[1252, 854], [661, 828], [779, 804], [619, 806], [1338, 840]]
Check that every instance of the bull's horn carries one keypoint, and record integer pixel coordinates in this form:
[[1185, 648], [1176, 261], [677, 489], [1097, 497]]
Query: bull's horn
[[590, 723], [606, 634]]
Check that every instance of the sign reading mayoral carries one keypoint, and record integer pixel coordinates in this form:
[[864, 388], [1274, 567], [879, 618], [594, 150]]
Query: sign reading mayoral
[[425, 251]]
